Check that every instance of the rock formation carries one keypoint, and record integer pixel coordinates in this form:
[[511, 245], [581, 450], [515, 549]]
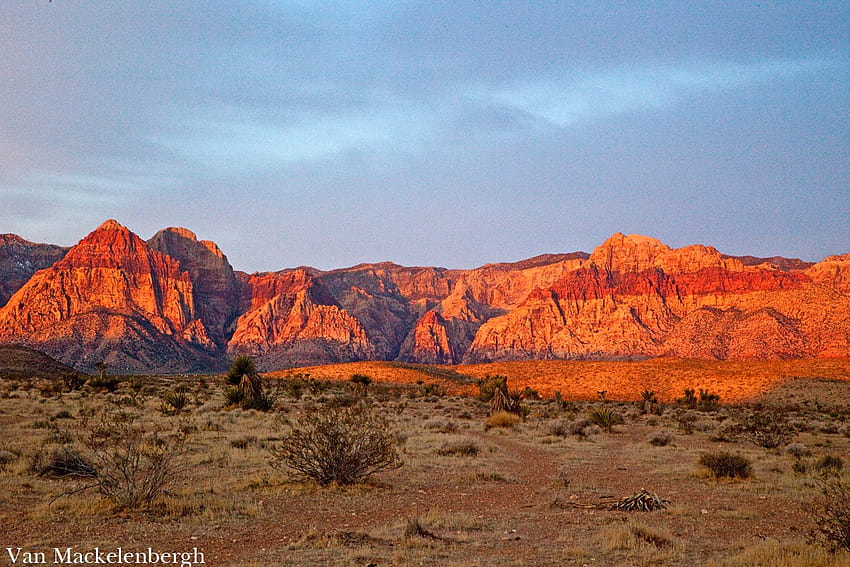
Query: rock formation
[[174, 303], [20, 259]]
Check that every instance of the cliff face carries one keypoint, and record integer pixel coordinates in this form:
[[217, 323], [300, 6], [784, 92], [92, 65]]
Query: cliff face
[[216, 290], [174, 303], [637, 297], [292, 319], [113, 299], [20, 259]]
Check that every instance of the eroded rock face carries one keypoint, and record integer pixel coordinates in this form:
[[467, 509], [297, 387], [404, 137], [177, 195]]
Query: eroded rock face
[[20, 259], [110, 298], [216, 290], [292, 319], [174, 303], [637, 297]]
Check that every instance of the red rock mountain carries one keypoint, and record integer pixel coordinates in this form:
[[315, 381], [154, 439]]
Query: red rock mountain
[[20, 259], [174, 303]]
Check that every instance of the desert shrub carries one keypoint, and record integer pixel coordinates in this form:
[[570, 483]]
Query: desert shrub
[[464, 448], [689, 399], [415, 528], [503, 419], [707, 401], [432, 389], [6, 458], [246, 388], [798, 450], [243, 442], [725, 464], [62, 461], [362, 382], [135, 462], [343, 445], [830, 513], [829, 464], [233, 396], [768, 428], [605, 418], [660, 438], [103, 382], [72, 381], [174, 401], [686, 420], [489, 385], [560, 429], [578, 428]]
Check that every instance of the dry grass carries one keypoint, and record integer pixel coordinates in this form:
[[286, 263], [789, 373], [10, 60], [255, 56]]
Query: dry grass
[[531, 494]]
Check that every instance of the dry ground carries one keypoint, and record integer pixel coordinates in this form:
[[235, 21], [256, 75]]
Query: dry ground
[[534, 494]]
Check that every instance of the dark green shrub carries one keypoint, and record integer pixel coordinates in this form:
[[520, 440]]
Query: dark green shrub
[[829, 465], [489, 385], [175, 401], [661, 439], [253, 392], [362, 382], [689, 399], [725, 464], [707, 401]]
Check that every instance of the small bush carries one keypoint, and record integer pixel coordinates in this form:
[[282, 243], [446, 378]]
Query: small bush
[[767, 428], [686, 420], [343, 445], [62, 461], [578, 428], [503, 419], [798, 450], [7, 457], [726, 464], [459, 449], [246, 388], [707, 401], [829, 464], [830, 513], [362, 382], [135, 463], [661, 439], [174, 401]]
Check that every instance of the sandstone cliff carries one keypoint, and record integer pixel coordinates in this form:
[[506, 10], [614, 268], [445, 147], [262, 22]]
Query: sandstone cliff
[[216, 290], [174, 303], [111, 299]]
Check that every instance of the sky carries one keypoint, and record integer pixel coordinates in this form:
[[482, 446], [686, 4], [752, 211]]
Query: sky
[[428, 133]]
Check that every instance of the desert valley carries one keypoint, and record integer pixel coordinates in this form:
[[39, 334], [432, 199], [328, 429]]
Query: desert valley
[[636, 405]]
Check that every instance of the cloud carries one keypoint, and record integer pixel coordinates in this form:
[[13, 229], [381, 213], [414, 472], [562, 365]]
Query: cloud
[[582, 96]]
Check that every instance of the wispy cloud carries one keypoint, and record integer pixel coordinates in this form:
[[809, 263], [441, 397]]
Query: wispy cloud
[[577, 97]]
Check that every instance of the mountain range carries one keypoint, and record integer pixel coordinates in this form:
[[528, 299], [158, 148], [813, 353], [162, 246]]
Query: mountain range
[[173, 303]]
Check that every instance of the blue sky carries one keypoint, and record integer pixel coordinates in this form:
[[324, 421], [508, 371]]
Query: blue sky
[[428, 133]]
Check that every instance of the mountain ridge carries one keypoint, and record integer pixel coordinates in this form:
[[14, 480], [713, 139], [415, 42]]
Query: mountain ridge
[[174, 303]]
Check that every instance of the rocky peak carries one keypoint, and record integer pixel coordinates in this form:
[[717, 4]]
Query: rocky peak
[[216, 288], [632, 253]]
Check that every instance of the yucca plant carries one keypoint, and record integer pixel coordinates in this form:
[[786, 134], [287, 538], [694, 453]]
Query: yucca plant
[[244, 379], [605, 418]]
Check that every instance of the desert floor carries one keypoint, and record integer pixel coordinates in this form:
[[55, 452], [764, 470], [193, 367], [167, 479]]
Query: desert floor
[[538, 492]]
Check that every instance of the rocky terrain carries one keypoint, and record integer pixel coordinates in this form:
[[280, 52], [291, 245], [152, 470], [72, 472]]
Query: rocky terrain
[[174, 304]]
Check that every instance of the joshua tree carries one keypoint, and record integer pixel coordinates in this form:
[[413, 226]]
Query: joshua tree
[[101, 368]]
